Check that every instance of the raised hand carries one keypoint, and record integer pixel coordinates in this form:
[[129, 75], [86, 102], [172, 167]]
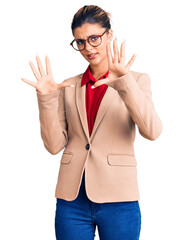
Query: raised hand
[[45, 82], [116, 64]]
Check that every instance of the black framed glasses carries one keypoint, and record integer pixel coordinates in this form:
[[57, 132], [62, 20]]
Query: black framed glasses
[[93, 40]]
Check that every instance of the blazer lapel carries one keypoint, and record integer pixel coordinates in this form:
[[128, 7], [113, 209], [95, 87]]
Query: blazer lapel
[[81, 105], [80, 102]]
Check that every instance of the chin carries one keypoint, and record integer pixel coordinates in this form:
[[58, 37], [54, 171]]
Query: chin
[[94, 61]]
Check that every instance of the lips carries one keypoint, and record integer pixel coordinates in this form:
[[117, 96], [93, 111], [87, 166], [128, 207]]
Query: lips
[[91, 55]]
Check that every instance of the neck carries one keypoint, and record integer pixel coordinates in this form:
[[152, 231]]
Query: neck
[[100, 69]]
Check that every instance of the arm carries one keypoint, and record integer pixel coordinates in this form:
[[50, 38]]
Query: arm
[[137, 97], [53, 122]]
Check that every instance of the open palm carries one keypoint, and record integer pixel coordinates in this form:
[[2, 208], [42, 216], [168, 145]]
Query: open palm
[[116, 64], [45, 82]]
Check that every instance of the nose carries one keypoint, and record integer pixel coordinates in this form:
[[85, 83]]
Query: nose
[[88, 46]]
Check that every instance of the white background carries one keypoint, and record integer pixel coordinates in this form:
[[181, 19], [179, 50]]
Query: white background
[[28, 172]]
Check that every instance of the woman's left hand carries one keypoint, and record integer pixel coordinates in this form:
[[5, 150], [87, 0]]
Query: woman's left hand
[[116, 65]]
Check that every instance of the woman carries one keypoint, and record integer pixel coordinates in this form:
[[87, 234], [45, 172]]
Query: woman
[[97, 181]]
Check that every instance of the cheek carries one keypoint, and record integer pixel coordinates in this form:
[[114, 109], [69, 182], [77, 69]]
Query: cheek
[[84, 55], [102, 51]]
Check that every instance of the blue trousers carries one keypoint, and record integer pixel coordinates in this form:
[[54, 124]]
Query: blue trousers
[[77, 219]]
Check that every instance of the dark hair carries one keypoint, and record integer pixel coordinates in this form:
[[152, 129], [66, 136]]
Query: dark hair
[[91, 14]]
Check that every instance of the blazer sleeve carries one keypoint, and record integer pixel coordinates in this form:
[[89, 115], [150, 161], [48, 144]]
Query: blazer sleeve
[[53, 122], [137, 96]]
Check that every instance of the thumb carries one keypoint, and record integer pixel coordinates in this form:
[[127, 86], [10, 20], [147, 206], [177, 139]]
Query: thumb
[[100, 82], [65, 84]]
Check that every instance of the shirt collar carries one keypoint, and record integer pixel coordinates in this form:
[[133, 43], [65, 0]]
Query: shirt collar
[[87, 76]]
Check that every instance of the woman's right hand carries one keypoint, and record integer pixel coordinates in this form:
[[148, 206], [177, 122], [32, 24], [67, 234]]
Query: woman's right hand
[[45, 83]]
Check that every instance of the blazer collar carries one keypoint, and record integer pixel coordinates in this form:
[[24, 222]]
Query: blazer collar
[[80, 102]]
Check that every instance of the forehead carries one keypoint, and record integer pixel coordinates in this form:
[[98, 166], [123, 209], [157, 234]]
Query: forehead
[[88, 29]]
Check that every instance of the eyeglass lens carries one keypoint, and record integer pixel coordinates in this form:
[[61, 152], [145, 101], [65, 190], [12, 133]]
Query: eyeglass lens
[[93, 40]]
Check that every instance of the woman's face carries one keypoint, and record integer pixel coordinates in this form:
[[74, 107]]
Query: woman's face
[[88, 29]]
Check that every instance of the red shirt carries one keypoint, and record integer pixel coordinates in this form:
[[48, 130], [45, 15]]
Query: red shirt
[[93, 96]]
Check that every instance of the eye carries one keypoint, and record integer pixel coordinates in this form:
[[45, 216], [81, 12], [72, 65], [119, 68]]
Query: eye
[[94, 38], [79, 41]]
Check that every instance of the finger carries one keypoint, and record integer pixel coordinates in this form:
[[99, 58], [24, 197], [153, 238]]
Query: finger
[[35, 72], [122, 53], [29, 82], [41, 70], [128, 65], [48, 66], [109, 55], [116, 52], [99, 83]]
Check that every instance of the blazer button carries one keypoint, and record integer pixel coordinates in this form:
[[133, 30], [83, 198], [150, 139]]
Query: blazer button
[[87, 146]]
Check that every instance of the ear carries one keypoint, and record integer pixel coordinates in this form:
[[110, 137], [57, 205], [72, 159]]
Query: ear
[[110, 36]]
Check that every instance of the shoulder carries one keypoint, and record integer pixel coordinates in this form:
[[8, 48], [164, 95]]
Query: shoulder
[[137, 75], [73, 79]]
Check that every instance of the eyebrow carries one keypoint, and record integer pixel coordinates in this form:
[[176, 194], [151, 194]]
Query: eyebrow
[[87, 36]]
